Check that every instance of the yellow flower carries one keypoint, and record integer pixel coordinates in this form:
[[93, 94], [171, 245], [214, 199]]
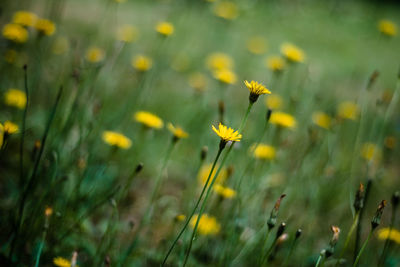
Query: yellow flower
[[227, 134], [48, 211], [387, 27], [15, 33], [165, 28], [370, 151], [178, 132], [60, 45], [205, 171], [275, 63], [226, 10], [257, 45], [45, 26], [263, 151], [10, 127], [219, 61], [120, 1], [208, 225], [256, 88], [148, 119], [292, 52], [198, 81], [10, 55], [61, 262], [386, 233], [95, 54], [224, 192], [116, 139], [142, 63], [348, 110], [24, 18], [15, 98], [283, 119], [274, 101], [322, 119], [225, 76], [127, 33]]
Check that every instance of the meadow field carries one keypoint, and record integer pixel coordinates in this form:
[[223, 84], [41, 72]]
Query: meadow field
[[199, 133]]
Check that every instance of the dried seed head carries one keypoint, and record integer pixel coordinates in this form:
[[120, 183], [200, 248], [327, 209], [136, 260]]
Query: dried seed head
[[298, 234], [378, 215], [274, 212], [203, 153], [268, 115], [281, 229], [395, 198], [359, 199], [139, 167]]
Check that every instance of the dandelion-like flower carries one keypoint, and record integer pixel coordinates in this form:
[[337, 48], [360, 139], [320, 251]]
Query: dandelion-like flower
[[264, 152], [61, 262], [227, 134], [283, 119], [348, 110], [225, 76], [208, 225], [24, 18], [226, 10], [15, 33], [165, 28], [275, 63], [387, 27], [15, 98], [224, 192], [292, 52], [127, 33], [148, 119], [45, 26], [370, 151], [178, 132], [274, 102], [256, 89], [95, 54], [10, 127], [180, 217], [205, 170], [142, 63], [116, 139], [257, 45], [219, 61], [322, 119], [391, 234]]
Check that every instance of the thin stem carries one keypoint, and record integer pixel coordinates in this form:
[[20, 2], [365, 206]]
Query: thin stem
[[363, 248], [387, 241], [265, 246], [40, 249], [290, 252], [320, 260], [346, 243]]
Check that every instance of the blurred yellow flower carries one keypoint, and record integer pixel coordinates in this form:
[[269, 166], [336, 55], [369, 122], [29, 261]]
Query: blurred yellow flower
[[274, 101], [387, 27], [224, 192], [257, 45], [283, 119], [10, 127], [208, 225], [61, 262], [387, 233], [24, 18], [180, 217], [322, 119], [256, 88], [116, 139], [370, 151], [219, 61], [178, 132], [390, 142], [198, 81], [226, 10], [148, 119], [60, 45], [15, 98], [227, 134], [142, 63], [165, 28], [127, 33], [348, 110], [48, 211], [263, 151], [10, 55], [95, 54], [15, 33], [45, 26], [292, 52], [225, 76], [205, 171], [120, 1], [275, 63]]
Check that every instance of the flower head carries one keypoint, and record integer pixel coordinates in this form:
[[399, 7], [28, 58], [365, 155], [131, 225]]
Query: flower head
[[224, 192], [61, 262], [225, 76], [275, 63], [45, 26], [142, 63], [15, 33], [198, 81], [370, 151], [387, 27], [256, 89], [95, 54], [292, 52], [205, 170], [226, 10], [15, 98], [348, 110], [178, 132], [10, 127], [263, 151], [283, 119], [24, 18], [208, 225], [165, 28], [127, 33], [60, 45], [227, 134], [148, 119], [391, 234], [116, 139], [322, 119], [274, 101], [219, 61], [257, 45]]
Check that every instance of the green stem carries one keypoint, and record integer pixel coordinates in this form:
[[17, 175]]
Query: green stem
[[346, 243], [290, 252], [363, 248], [40, 249], [320, 260], [387, 241], [265, 246]]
